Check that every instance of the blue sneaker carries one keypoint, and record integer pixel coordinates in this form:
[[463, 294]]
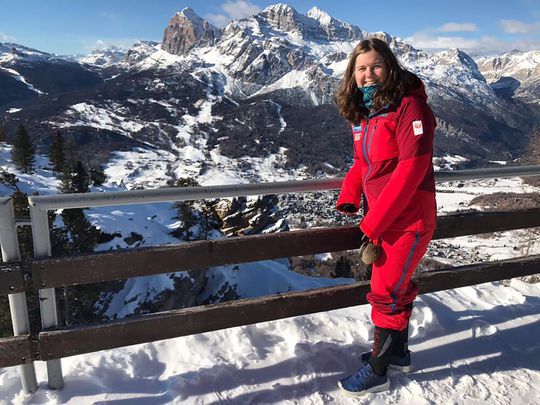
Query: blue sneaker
[[402, 364], [364, 381]]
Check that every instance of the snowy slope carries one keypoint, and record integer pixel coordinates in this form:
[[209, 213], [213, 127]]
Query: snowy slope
[[104, 57], [473, 345]]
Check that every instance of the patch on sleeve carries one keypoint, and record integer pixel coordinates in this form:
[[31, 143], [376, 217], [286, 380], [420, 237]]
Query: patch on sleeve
[[357, 130], [417, 128]]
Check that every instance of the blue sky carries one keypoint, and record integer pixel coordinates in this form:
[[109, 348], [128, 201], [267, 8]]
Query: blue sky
[[78, 26]]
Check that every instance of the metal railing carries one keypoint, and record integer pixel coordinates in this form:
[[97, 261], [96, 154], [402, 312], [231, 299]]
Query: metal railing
[[59, 201], [39, 206], [17, 301]]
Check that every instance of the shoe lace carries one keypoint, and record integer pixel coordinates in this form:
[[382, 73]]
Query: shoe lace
[[364, 373]]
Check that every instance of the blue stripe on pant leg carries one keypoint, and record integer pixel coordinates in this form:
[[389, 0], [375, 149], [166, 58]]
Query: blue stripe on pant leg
[[411, 252]]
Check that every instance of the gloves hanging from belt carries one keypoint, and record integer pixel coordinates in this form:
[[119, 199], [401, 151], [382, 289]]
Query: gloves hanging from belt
[[369, 252]]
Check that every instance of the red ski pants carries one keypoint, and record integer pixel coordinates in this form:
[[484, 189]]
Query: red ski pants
[[392, 291]]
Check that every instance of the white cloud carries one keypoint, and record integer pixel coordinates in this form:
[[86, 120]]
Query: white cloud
[[6, 38], [234, 9], [457, 27], [484, 45], [219, 20], [240, 9], [519, 27]]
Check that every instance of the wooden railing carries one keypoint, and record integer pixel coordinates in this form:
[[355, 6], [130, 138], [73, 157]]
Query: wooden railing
[[95, 268]]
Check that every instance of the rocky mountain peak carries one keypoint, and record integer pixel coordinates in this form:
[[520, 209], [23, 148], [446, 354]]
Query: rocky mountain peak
[[21, 50], [457, 58], [322, 16], [315, 25], [280, 8], [189, 13], [283, 17], [140, 51], [186, 30]]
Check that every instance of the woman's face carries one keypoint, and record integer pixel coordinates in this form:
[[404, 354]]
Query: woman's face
[[369, 68]]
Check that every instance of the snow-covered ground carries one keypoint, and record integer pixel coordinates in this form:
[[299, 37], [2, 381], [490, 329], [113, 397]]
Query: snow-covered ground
[[473, 345]]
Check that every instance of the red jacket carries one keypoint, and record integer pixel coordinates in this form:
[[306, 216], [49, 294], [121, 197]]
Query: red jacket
[[393, 151]]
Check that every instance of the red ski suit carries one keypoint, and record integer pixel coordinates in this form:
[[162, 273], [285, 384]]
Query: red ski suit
[[393, 150]]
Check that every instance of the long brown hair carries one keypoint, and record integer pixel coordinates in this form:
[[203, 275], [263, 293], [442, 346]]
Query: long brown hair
[[349, 98]]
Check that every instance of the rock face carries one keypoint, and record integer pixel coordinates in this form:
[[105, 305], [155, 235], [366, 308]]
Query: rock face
[[187, 30], [243, 216]]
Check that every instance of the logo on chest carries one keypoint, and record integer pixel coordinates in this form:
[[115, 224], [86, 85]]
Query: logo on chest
[[417, 128]]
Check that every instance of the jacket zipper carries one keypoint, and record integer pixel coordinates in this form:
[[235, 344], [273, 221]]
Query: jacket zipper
[[366, 147]]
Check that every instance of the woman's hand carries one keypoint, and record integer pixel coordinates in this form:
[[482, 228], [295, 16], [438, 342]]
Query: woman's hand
[[348, 209]]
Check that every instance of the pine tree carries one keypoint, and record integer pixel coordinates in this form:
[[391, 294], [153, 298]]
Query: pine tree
[[80, 179], [84, 236], [97, 176], [22, 153], [3, 135], [186, 210], [77, 236], [342, 268], [76, 180], [67, 182], [70, 152], [56, 154]]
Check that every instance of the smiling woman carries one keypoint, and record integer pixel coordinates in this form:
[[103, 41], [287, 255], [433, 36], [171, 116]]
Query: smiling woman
[[393, 129], [370, 69]]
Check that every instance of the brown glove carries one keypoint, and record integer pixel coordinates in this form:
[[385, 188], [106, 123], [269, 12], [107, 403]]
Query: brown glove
[[369, 252]]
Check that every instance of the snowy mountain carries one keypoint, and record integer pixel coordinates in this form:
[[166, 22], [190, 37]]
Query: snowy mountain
[[104, 57], [514, 73], [27, 74], [259, 93]]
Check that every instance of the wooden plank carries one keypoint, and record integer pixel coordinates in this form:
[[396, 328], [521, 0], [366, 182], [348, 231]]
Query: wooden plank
[[165, 325], [16, 350], [100, 267], [472, 274], [93, 268], [475, 223], [11, 278]]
